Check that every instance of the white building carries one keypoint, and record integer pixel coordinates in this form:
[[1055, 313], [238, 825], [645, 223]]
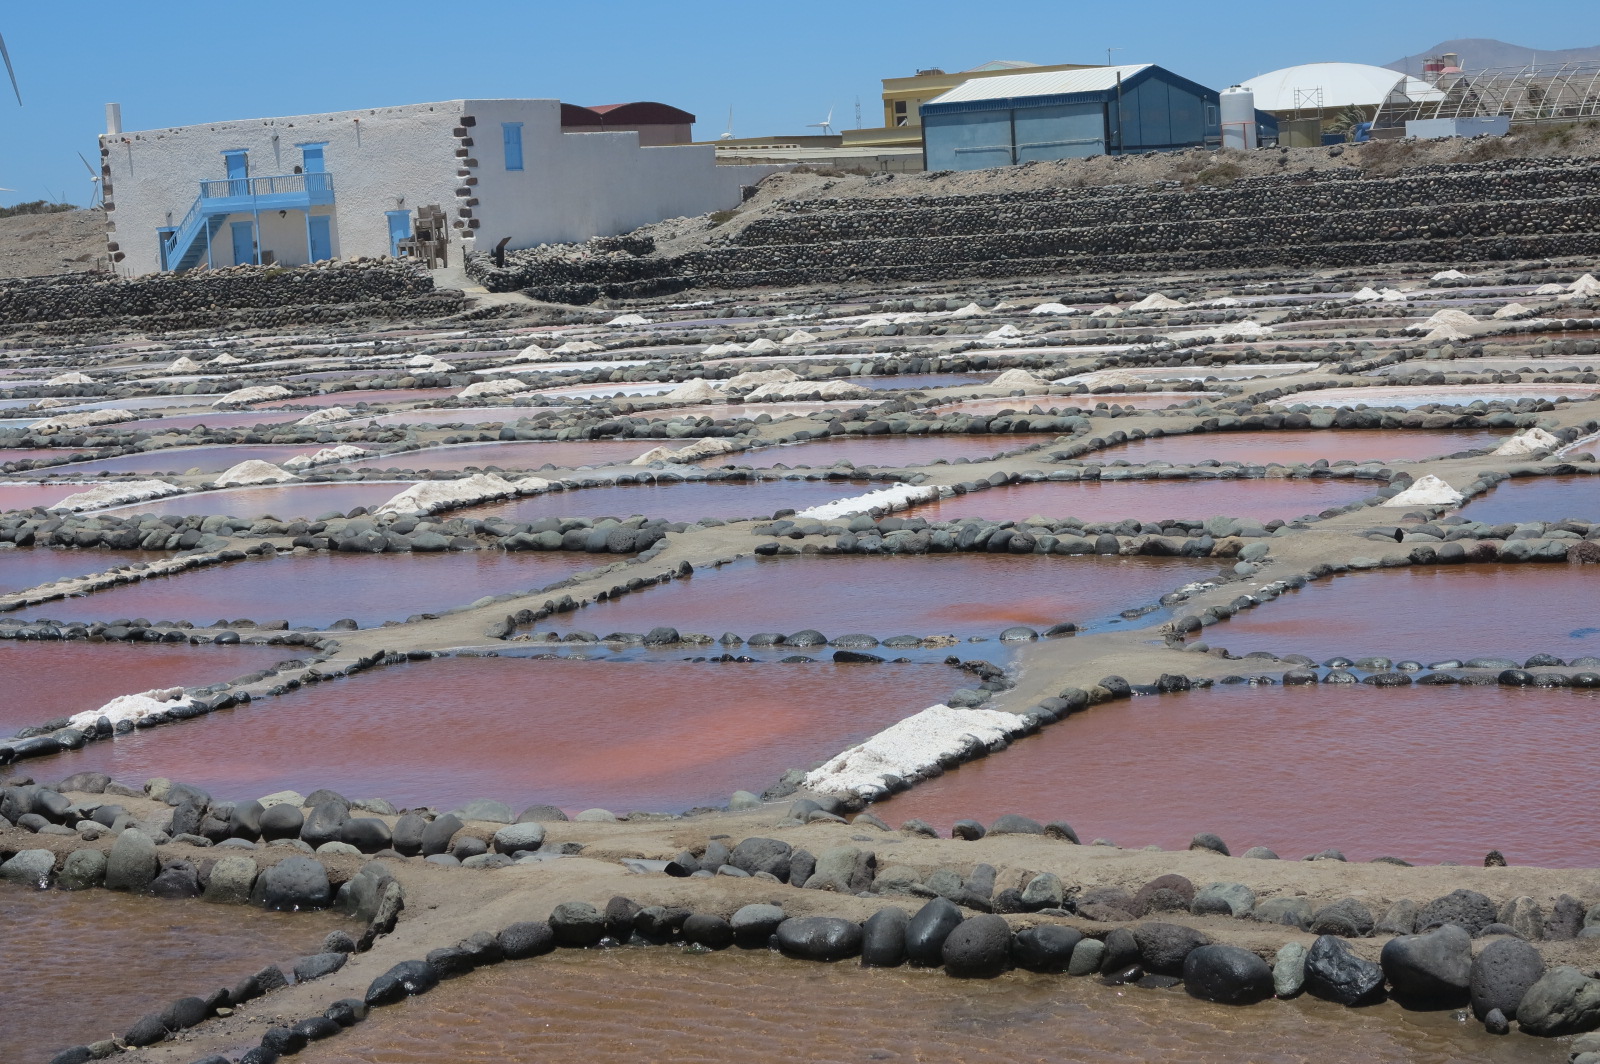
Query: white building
[[347, 184]]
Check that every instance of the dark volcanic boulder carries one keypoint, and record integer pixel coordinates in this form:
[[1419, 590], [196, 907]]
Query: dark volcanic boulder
[[1431, 970], [1163, 947], [281, 822], [927, 930], [1501, 974], [1346, 918], [1335, 974], [819, 938], [1046, 948], [292, 884], [529, 938], [367, 834], [406, 835], [577, 924], [763, 855], [1163, 894], [401, 981], [1563, 1001], [324, 823], [437, 835], [978, 948], [883, 938], [708, 930], [1227, 975], [1465, 908]]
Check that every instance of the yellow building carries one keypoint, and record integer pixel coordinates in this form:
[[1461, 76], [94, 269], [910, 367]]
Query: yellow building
[[903, 96]]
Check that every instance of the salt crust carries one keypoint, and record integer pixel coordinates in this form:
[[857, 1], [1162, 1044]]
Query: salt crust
[[1013, 380], [183, 364], [1110, 311], [342, 453], [1530, 442], [226, 359], [834, 389], [692, 391], [256, 393], [889, 499], [971, 310], [577, 347], [73, 377], [318, 417], [117, 494], [1247, 329], [1005, 332], [798, 337], [1156, 301], [81, 420], [1449, 275], [629, 319], [253, 471], [754, 377], [505, 387], [1429, 491], [130, 708], [1512, 310], [762, 346], [1053, 308], [1448, 318], [909, 747], [429, 496], [690, 453]]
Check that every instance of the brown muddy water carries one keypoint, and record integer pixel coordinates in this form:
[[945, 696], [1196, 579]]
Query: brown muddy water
[[25, 567], [885, 452], [1424, 773], [1430, 613], [283, 501], [923, 595], [1537, 499], [624, 1006], [1095, 501], [1292, 448], [622, 735], [318, 589], [685, 501], [46, 681], [79, 967]]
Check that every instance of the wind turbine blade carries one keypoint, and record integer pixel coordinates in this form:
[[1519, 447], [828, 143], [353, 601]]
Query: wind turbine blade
[[10, 70], [87, 167]]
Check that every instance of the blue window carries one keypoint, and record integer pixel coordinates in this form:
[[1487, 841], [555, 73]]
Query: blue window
[[512, 132]]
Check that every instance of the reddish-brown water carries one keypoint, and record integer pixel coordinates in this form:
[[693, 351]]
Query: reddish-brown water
[[922, 595], [887, 452], [350, 397], [27, 496], [688, 501], [1431, 613], [283, 502], [921, 381], [625, 1006], [318, 589], [1023, 404], [1291, 448], [563, 454], [623, 735], [47, 681], [25, 567], [181, 459], [1423, 773], [1537, 499], [85, 965], [1150, 500]]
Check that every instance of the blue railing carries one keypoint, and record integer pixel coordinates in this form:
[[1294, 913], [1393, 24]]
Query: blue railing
[[255, 187]]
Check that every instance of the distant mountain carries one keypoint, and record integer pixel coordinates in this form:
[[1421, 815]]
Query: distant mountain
[[1478, 53]]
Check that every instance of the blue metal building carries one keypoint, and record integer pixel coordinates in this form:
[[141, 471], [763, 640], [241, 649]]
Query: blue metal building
[[1067, 114]]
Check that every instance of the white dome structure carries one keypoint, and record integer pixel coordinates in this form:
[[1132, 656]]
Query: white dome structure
[[1340, 85]]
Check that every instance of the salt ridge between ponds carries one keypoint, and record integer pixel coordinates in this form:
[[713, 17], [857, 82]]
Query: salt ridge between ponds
[[117, 495], [256, 393], [319, 417], [342, 453], [129, 708], [433, 495], [910, 747], [888, 499]]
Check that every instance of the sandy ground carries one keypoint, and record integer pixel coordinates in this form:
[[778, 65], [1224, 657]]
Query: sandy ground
[[33, 245]]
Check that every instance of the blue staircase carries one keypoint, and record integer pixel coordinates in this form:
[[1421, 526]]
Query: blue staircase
[[186, 245]]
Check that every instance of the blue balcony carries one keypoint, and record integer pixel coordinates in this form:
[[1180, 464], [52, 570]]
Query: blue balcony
[[187, 244]]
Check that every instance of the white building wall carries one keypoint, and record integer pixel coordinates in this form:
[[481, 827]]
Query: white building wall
[[381, 159], [573, 185], [577, 185]]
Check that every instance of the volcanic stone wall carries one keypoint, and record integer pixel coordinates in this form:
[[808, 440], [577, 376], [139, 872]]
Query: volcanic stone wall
[[1510, 209], [276, 294]]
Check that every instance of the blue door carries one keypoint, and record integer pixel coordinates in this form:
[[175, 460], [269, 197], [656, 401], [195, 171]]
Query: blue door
[[244, 242], [314, 165], [399, 229], [238, 172], [319, 237]]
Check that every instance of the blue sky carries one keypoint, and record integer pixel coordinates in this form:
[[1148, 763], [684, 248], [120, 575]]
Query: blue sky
[[780, 66]]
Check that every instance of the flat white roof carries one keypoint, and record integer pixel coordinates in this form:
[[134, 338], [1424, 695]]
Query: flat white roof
[[1041, 83], [1340, 85]]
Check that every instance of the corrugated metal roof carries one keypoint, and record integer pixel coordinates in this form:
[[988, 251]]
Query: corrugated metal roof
[[1045, 83]]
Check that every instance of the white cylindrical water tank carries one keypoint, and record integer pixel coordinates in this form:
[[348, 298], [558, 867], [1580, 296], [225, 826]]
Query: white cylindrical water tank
[[1238, 118]]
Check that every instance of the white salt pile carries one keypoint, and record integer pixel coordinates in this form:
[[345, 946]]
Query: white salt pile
[[689, 453], [629, 319], [77, 421], [342, 453], [430, 496], [834, 389], [695, 390], [117, 494], [482, 388], [130, 708], [910, 747], [1429, 491], [1053, 308], [319, 417], [71, 378], [256, 393], [253, 471], [754, 377], [1533, 441], [888, 499]]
